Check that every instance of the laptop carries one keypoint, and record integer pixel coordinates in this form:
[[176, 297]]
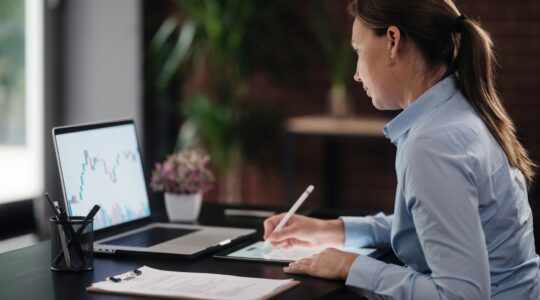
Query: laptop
[[101, 164]]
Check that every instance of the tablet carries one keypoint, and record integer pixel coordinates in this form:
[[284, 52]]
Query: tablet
[[253, 252]]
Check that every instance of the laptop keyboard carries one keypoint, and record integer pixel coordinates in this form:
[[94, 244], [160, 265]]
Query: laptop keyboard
[[149, 237]]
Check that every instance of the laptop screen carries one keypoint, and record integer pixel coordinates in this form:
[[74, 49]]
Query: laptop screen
[[103, 166]]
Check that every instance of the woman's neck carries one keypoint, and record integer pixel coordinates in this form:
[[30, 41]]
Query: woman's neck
[[419, 83]]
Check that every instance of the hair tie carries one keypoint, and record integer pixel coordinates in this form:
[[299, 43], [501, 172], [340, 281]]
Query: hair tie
[[458, 25]]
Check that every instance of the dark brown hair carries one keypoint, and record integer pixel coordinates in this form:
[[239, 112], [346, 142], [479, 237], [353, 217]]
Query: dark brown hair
[[460, 44]]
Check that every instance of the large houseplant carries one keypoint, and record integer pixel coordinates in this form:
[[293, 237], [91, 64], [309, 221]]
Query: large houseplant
[[334, 46], [224, 40]]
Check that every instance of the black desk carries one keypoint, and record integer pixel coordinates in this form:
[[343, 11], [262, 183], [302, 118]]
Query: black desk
[[25, 273]]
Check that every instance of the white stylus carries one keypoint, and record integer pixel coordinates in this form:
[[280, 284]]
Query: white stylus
[[291, 212]]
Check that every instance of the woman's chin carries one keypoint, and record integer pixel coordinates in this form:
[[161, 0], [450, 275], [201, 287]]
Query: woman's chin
[[377, 104], [384, 106]]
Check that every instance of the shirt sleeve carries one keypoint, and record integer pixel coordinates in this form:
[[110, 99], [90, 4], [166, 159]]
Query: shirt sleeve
[[440, 193], [370, 231]]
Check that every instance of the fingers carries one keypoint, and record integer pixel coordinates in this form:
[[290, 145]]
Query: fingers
[[288, 232], [281, 244], [293, 242], [301, 266], [290, 243], [330, 264], [299, 243], [270, 224], [294, 269]]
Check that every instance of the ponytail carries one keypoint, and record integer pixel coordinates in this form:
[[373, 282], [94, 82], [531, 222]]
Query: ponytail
[[447, 38], [475, 68]]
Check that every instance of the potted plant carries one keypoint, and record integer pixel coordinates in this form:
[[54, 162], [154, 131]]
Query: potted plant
[[184, 177], [335, 49], [221, 41]]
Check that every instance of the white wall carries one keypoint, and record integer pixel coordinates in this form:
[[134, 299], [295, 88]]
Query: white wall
[[98, 48], [102, 63]]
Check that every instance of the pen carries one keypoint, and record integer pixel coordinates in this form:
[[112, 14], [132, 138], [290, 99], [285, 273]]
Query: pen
[[65, 250], [85, 222], [126, 276], [291, 211], [61, 233], [53, 207], [62, 217]]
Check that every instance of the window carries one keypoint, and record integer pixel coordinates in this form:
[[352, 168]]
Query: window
[[21, 99]]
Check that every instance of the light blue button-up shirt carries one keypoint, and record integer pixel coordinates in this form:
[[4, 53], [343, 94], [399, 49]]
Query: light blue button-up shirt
[[462, 224]]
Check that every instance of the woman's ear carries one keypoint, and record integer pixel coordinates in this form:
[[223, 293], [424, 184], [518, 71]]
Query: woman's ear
[[393, 37]]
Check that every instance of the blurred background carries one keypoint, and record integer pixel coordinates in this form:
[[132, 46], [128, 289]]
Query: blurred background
[[265, 87]]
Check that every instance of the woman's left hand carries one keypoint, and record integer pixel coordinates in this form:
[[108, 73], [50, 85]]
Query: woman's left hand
[[330, 264]]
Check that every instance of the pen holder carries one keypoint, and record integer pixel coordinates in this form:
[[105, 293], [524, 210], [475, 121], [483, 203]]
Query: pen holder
[[71, 248]]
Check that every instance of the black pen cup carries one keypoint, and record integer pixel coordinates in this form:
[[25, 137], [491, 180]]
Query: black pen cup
[[71, 249]]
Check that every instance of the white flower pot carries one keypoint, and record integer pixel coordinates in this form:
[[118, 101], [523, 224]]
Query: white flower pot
[[183, 207]]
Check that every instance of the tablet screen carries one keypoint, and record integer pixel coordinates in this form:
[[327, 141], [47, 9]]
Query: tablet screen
[[254, 252]]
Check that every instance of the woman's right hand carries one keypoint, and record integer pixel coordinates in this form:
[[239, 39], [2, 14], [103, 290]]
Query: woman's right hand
[[304, 232]]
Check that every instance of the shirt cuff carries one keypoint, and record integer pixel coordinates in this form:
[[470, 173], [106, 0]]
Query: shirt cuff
[[359, 231], [364, 273]]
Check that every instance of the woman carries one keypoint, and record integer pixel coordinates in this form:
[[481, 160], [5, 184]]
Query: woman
[[462, 224]]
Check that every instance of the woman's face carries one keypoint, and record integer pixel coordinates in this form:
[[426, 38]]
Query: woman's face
[[374, 68]]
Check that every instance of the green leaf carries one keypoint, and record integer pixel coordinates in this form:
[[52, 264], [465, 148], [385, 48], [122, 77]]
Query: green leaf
[[178, 54], [215, 125]]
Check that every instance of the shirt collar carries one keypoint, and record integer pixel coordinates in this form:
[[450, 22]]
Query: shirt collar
[[426, 103]]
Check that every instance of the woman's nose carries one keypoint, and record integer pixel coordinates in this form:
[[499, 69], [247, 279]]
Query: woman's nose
[[357, 77]]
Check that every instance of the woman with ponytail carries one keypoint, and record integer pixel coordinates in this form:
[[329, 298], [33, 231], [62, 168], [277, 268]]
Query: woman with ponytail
[[462, 224]]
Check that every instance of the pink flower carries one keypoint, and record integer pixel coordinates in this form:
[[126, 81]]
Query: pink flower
[[185, 172]]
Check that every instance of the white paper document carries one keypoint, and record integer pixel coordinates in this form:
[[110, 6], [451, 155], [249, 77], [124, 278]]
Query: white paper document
[[292, 254], [191, 285]]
